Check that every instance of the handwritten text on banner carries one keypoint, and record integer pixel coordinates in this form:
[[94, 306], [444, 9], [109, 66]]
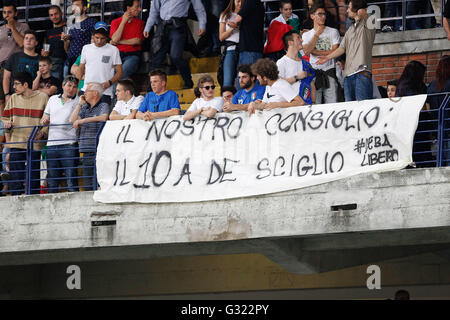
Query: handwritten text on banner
[[234, 155]]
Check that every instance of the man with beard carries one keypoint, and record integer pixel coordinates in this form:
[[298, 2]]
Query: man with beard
[[249, 92], [53, 37]]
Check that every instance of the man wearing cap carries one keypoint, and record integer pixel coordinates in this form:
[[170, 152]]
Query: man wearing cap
[[99, 61], [170, 19]]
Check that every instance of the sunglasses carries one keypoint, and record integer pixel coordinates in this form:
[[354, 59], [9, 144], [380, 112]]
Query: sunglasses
[[209, 87]]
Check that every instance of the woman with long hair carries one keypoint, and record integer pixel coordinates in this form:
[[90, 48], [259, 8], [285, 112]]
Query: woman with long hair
[[229, 35]]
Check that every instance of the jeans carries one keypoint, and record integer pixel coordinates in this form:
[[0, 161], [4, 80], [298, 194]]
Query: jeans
[[229, 68], [62, 158], [247, 57], [358, 87], [174, 41], [330, 94], [89, 172], [18, 171], [420, 7], [130, 65], [5, 151]]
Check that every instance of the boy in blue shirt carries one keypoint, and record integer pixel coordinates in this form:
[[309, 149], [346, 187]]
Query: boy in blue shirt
[[160, 103], [249, 92]]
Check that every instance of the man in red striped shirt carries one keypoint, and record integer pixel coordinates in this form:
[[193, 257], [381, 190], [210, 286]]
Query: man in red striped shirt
[[24, 109]]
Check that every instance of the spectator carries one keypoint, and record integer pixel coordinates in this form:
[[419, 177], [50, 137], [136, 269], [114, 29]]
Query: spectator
[[99, 60], [88, 115], [62, 146], [171, 32], [393, 9], [249, 92], [401, 295], [209, 43], [57, 51], [75, 70], [440, 84], [357, 44], [23, 61], [319, 41], [44, 81], [24, 109], [227, 93], [11, 41], [279, 93], [127, 102], [411, 81], [127, 34], [160, 103], [415, 7], [446, 19], [251, 31], [296, 71], [79, 33], [230, 37], [207, 105], [391, 88], [286, 21]]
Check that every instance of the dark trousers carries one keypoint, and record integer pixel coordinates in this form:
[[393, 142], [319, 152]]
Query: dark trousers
[[17, 160], [173, 43]]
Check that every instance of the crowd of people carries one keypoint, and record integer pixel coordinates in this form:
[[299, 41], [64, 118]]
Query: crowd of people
[[81, 78]]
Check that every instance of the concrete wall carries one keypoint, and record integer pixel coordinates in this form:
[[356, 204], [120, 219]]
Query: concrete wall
[[282, 241]]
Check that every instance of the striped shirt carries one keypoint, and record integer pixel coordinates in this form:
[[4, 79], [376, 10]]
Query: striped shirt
[[24, 111]]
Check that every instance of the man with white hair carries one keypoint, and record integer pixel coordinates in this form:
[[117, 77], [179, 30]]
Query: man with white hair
[[88, 115]]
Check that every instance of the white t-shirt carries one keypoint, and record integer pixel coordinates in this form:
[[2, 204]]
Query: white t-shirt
[[216, 103], [288, 68], [326, 41], [100, 62], [125, 108], [59, 113], [280, 91], [234, 36]]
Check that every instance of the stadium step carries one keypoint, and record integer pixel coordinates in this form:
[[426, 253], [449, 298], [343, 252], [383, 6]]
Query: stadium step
[[204, 65], [175, 81]]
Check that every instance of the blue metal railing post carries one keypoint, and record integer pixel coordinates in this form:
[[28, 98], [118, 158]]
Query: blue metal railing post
[[404, 15], [95, 162], [29, 161]]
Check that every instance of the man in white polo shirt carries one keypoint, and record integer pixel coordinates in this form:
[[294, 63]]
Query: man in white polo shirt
[[62, 147], [279, 93], [127, 103], [99, 61]]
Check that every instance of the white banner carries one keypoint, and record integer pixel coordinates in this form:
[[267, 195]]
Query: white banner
[[234, 155]]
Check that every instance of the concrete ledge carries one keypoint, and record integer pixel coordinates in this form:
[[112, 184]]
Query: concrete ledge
[[397, 214], [410, 42]]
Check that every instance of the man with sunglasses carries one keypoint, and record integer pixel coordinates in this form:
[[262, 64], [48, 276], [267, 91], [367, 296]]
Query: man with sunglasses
[[320, 41], [206, 105], [160, 102]]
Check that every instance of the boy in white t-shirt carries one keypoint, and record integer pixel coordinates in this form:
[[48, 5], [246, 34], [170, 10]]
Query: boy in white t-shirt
[[127, 103], [321, 41], [279, 93], [99, 62], [207, 105]]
